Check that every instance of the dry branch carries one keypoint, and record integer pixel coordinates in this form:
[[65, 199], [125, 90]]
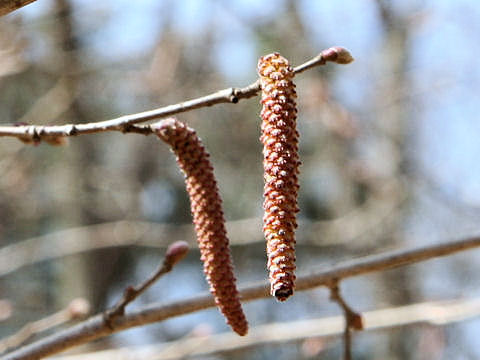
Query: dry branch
[[34, 133], [7, 6], [96, 327], [436, 313]]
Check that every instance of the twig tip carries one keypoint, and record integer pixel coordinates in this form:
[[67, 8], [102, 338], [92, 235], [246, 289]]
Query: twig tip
[[78, 308], [337, 54], [176, 252]]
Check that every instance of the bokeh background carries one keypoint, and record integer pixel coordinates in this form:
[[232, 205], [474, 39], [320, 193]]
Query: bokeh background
[[389, 146]]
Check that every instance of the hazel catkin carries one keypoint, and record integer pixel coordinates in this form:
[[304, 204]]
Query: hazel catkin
[[280, 163], [206, 208]]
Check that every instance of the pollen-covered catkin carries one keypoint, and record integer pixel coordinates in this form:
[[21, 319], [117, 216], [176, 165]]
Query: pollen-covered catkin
[[206, 207], [280, 163]]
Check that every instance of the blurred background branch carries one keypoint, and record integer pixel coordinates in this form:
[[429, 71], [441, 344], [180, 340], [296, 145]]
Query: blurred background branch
[[78, 309], [362, 222], [315, 334], [96, 327]]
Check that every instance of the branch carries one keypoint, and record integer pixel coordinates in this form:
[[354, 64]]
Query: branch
[[77, 309], [7, 6], [51, 134], [353, 320], [173, 255], [6, 309], [435, 313], [96, 327]]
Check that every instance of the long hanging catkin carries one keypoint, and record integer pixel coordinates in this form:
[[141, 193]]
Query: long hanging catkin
[[280, 162], [206, 207]]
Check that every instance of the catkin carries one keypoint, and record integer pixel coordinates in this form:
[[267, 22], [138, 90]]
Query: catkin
[[280, 163], [206, 208]]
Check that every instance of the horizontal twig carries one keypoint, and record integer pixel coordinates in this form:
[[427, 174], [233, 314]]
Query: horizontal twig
[[51, 134], [96, 327], [436, 313]]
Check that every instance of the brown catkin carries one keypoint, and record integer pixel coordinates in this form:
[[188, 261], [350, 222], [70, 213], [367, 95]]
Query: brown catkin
[[206, 207], [280, 163]]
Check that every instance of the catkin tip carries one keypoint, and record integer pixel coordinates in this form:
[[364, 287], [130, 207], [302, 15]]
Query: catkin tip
[[176, 252], [283, 294]]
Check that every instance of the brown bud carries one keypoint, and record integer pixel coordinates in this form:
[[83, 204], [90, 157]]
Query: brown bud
[[79, 308], [338, 55], [56, 140], [280, 163], [206, 207], [176, 252]]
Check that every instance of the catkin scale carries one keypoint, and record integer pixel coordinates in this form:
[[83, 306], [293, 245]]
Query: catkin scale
[[280, 163], [206, 208]]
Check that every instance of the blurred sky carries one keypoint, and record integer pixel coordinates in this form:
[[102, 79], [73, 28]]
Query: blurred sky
[[443, 53]]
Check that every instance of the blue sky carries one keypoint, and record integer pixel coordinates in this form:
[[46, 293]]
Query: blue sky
[[445, 77]]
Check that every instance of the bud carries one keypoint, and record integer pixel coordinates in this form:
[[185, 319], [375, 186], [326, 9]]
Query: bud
[[78, 308], [338, 55], [55, 140], [176, 252]]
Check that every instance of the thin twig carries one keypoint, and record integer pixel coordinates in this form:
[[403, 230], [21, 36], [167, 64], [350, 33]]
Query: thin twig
[[96, 327], [347, 343], [436, 313], [34, 133], [173, 255], [77, 309], [353, 320], [7, 6]]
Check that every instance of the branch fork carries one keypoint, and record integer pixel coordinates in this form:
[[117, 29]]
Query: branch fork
[[175, 252]]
